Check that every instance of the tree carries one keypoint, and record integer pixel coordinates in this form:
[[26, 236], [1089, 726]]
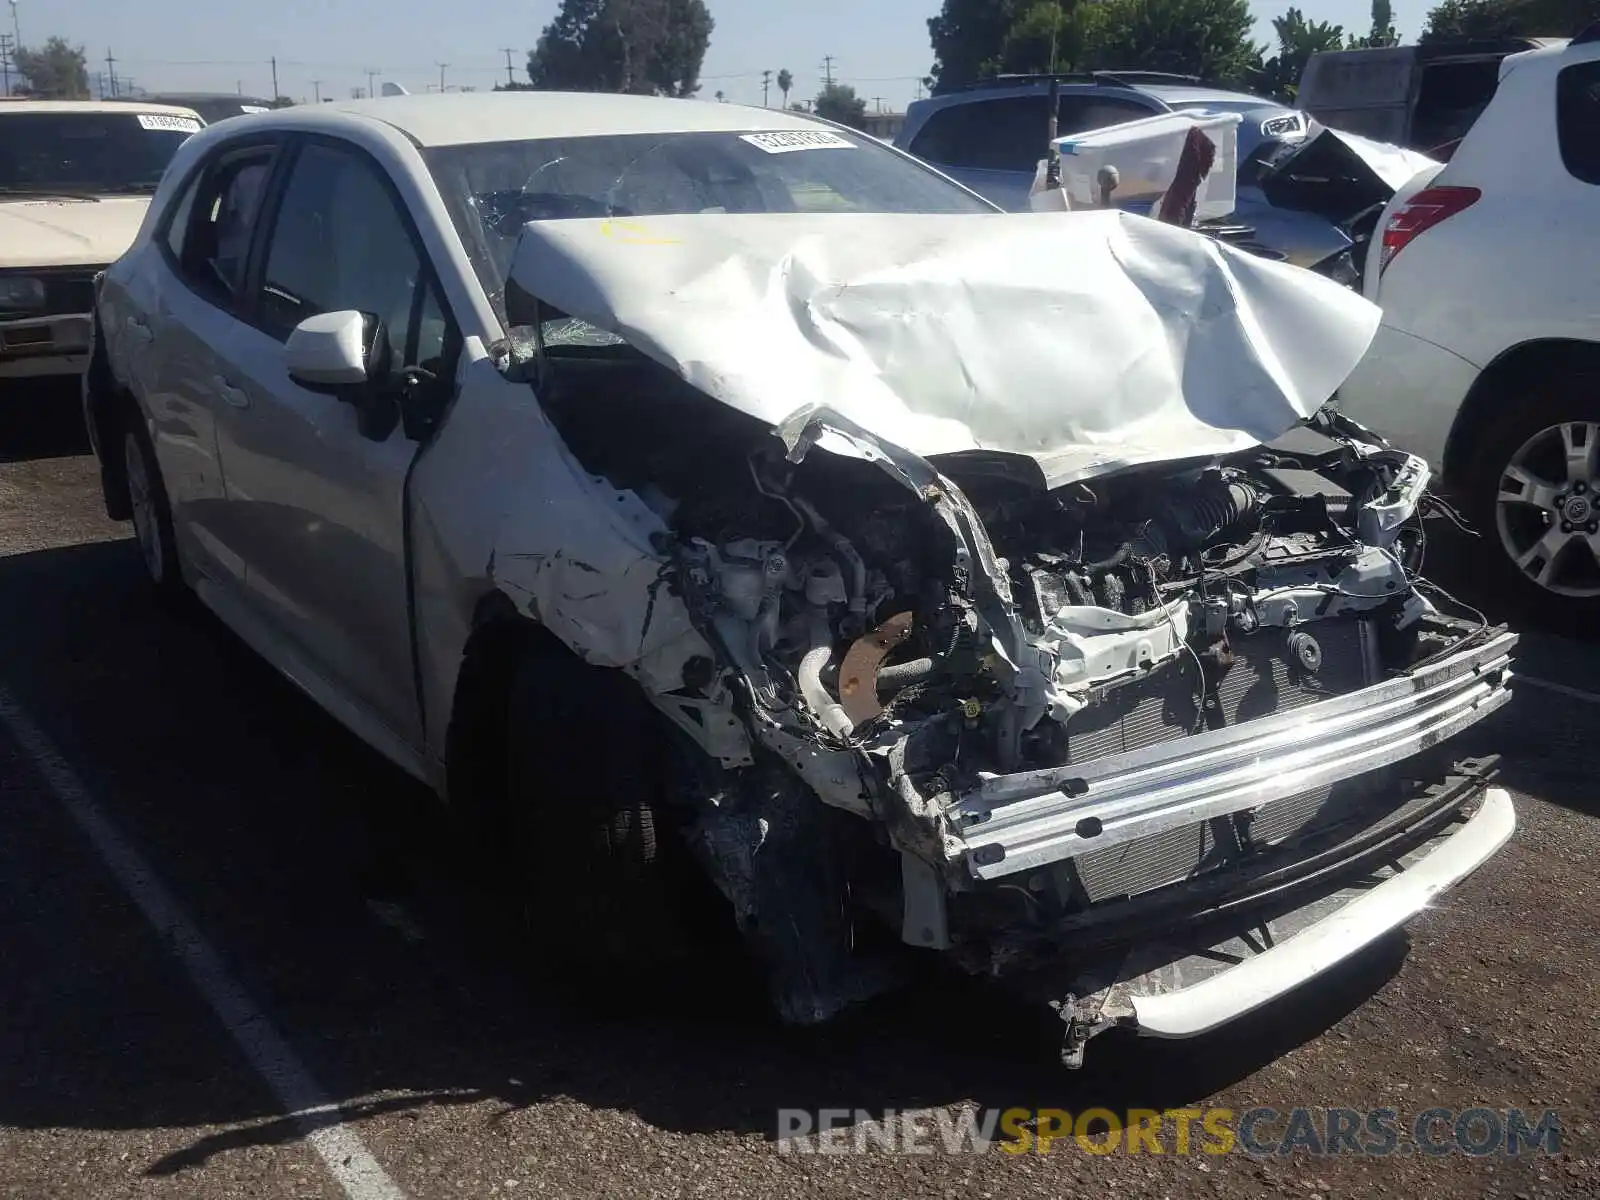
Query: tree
[[969, 40], [1208, 38], [785, 82], [1382, 32], [1509, 18], [839, 102], [976, 38], [722, 97], [646, 47], [1045, 36], [56, 70], [1298, 40]]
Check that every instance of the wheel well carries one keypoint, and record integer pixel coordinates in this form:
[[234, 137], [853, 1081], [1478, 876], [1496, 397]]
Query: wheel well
[[1529, 362], [475, 744]]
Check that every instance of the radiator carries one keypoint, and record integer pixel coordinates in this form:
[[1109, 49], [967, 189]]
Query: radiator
[[1265, 678]]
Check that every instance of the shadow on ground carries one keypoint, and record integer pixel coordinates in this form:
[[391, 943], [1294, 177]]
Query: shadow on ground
[[41, 418], [258, 813]]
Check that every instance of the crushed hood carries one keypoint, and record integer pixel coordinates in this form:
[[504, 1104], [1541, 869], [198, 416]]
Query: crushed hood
[[1084, 341], [1338, 174], [68, 233]]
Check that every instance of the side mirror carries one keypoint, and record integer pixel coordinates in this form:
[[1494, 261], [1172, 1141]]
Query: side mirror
[[334, 351]]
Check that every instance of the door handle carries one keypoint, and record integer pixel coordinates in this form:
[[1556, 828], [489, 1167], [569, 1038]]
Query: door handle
[[234, 396], [140, 330]]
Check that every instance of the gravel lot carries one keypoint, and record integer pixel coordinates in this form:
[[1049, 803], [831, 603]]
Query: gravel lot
[[375, 958]]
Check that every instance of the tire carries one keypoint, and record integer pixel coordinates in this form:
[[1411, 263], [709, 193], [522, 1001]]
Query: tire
[[1534, 493], [601, 877], [150, 510]]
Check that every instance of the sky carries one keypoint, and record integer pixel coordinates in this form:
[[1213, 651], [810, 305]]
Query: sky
[[879, 46]]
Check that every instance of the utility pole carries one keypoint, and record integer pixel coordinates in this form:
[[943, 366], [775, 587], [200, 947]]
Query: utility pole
[[5, 60], [877, 104], [766, 82], [372, 88], [442, 66], [510, 78], [827, 68], [274, 78], [316, 90], [16, 24], [111, 66]]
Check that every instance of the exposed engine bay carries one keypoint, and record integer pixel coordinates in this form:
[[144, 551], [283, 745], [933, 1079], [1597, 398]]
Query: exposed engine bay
[[966, 663]]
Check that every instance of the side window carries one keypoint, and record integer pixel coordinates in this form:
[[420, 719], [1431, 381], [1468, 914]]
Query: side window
[[1578, 120], [210, 236], [182, 214], [340, 243], [1008, 133], [1080, 114]]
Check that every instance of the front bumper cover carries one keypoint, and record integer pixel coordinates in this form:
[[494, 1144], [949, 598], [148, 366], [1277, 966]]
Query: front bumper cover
[[1204, 953]]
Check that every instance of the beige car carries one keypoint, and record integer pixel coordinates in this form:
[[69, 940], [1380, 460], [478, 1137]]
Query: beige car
[[75, 180]]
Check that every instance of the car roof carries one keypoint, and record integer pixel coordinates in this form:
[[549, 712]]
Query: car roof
[[463, 118], [116, 107], [1174, 95], [1183, 96]]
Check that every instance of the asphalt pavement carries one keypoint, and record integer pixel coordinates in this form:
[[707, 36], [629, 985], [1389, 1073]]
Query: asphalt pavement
[[216, 904]]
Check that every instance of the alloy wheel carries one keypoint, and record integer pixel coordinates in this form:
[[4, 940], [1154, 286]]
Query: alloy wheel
[[1547, 509]]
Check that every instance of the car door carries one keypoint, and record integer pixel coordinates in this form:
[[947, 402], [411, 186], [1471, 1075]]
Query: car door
[[186, 315], [316, 504]]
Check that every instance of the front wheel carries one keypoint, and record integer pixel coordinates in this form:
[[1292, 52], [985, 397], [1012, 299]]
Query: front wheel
[[150, 509], [599, 869], [1536, 497]]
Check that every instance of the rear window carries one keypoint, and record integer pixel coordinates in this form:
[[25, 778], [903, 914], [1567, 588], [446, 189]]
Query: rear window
[[1578, 120], [88, 152]]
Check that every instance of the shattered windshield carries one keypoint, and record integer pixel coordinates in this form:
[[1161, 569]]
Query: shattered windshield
[[88, 153], [495, 188]]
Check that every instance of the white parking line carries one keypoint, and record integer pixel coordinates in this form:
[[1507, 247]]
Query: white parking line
[[1559, 689], [346, 1156]]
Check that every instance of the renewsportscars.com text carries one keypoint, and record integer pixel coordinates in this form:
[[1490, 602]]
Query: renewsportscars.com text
[[1314, 1131]]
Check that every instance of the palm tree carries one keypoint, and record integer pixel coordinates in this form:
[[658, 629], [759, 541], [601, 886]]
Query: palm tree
[[785, 82], [721, 99]]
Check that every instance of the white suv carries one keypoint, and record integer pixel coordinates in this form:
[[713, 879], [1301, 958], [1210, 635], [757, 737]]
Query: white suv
[[1488, 359]]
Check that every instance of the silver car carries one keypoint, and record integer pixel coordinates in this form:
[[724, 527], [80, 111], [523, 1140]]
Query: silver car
[[689, 492]]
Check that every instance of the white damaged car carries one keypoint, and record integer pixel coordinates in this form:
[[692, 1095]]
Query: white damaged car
[[688, 491]]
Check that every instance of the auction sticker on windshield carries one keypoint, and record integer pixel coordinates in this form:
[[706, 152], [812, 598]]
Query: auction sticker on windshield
[[797, 139], [169, 121]]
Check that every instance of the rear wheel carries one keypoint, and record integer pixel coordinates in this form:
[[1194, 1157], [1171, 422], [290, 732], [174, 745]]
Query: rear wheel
[[1536, 497], [150, 510]]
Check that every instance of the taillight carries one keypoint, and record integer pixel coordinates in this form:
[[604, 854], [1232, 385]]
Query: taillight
[[1420, 214]]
